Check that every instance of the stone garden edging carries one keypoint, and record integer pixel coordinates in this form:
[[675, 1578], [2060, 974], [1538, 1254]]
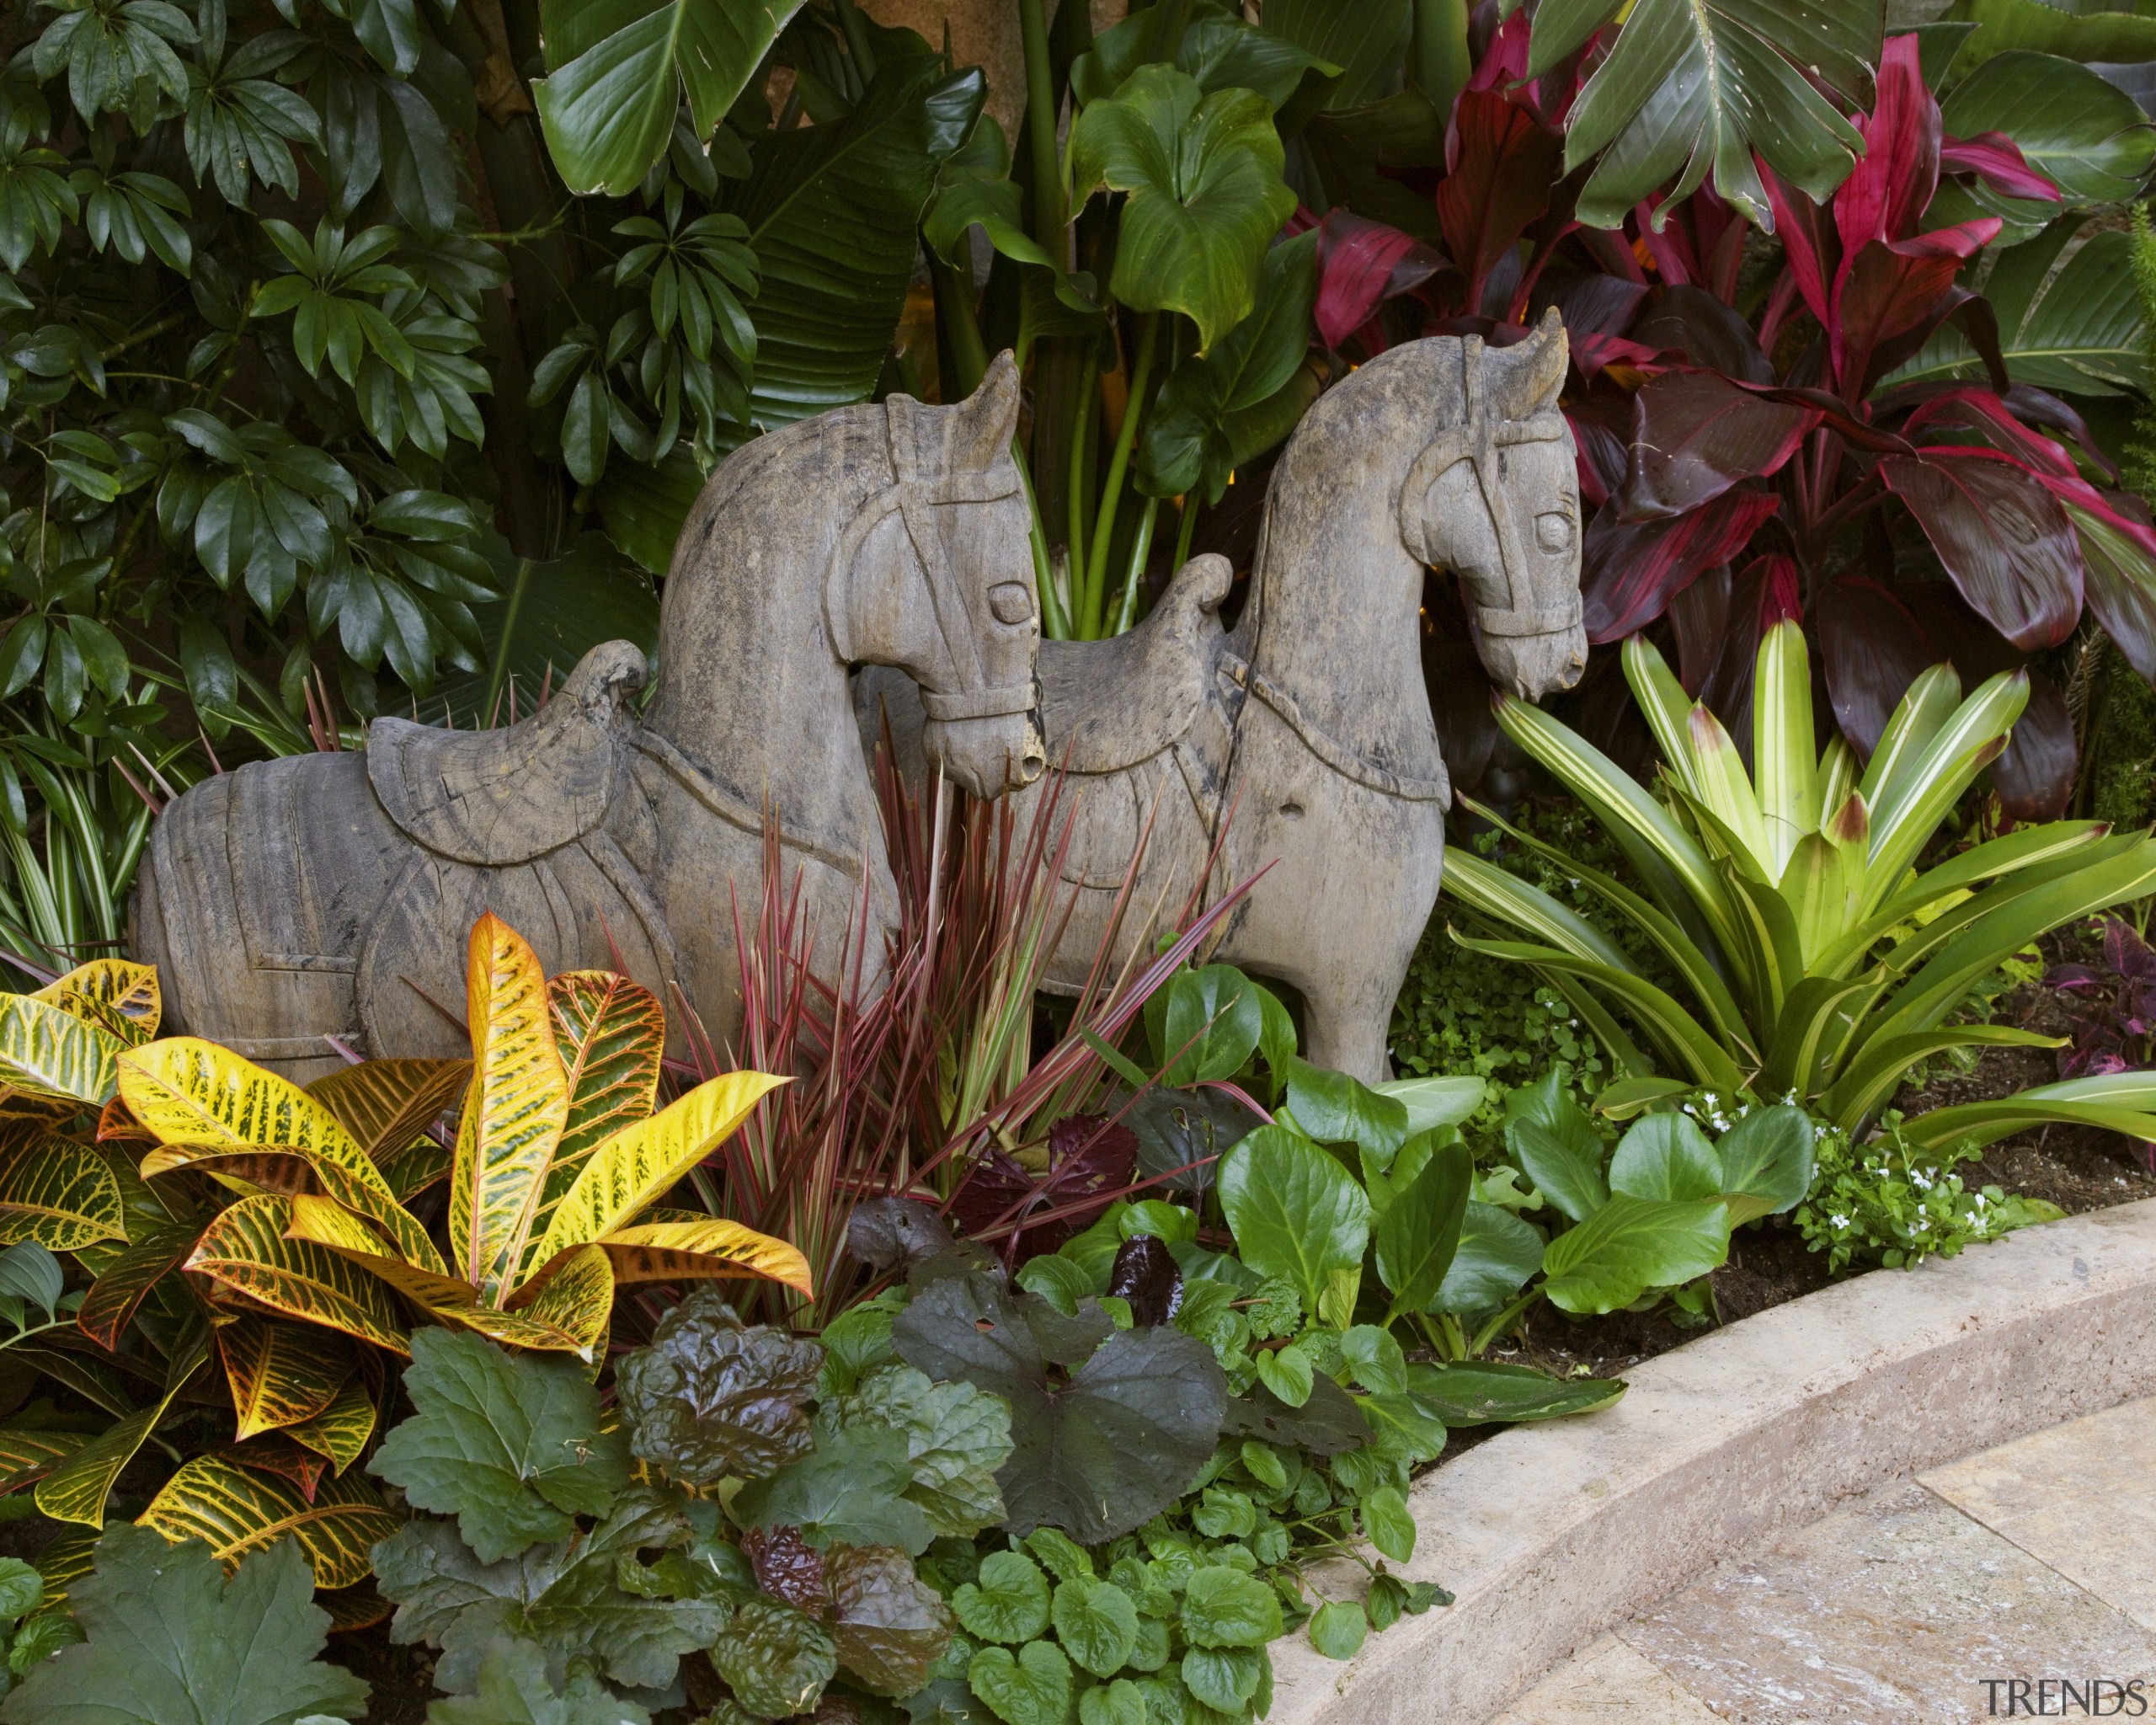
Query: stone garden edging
[[1549, 1535]]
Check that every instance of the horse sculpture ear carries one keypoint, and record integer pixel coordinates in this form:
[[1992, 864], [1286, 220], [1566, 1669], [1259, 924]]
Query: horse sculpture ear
[[1526, 377], [990, 413]]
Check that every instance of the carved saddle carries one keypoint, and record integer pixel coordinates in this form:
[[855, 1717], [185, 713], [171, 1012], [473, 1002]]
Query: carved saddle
[[284, 895]]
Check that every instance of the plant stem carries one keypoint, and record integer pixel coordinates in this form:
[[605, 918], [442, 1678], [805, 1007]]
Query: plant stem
[[953, 286], [1054, 624], [1186, 527], [1097, 566], [1140, 547], [1049, 226], [856, 40], [1081, 443]]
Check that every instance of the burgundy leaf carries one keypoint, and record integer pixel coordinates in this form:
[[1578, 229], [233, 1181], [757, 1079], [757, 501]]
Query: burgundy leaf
[[2035, 777], [2034, 406], [1087, 1156], [1965, 408], [1361, 263], [1692, 322], [1891, 187], [1504, 62], [2003, 537], [1592, 303], [2118, 560], [1500, 163], [2073, 976], [1997, 160], [1873, 651], [1700, 616], [1969, 313], [1811, 250], [1145, 1274], [786, 1567], [1890, 287], [1695, 434], [1632, 568], [1601, 427]]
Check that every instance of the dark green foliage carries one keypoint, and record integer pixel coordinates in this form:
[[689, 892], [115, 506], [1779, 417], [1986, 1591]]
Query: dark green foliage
[[172, 1641], [709, 1397]]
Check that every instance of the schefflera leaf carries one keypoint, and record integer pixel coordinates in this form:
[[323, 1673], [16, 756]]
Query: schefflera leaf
[[508, 1444], [711, 1396]]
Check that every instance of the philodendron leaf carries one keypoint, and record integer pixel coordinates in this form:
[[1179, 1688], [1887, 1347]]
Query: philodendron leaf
[[1096, 1454], [1767, 1160], [1295, 1211], [890, 1626], [1630, 1245], [1666, 1156], [510, 1444], [172, 1641], [1497, 1253], [957, 1436], [1204, 172], [710, 1397], [850, 1489], [1483, 1391], [514, 1689]]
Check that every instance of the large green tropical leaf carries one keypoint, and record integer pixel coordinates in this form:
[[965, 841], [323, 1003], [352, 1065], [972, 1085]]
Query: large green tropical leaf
[[1695, 85], [2080, 330], [1364, 38], [2084, 32], [1204, 172], [616, 71], [832, 212], [2071, 123]]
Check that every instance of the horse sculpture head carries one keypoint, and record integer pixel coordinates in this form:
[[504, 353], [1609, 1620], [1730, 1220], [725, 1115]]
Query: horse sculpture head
[[1496, 498], [953, 521]]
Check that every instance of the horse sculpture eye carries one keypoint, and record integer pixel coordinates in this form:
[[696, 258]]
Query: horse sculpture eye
[[1554, 531], [1010, 601]]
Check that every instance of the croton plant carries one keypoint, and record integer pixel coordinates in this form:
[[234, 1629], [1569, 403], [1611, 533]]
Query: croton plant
[[1873, 413]]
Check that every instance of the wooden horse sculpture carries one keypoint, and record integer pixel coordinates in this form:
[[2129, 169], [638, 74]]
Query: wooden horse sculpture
[[330, 894], [1309, 718]]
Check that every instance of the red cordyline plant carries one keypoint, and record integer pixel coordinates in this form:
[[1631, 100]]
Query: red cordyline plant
[[1748, 468], [909, 1080]]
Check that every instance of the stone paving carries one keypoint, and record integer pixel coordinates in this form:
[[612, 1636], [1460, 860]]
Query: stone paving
[[1925, 1600]]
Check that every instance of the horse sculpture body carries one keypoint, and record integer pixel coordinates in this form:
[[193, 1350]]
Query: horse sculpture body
[[329, 895], [1308, 721]]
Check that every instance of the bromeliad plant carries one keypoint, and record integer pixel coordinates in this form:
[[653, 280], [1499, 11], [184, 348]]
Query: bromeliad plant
[[1785, 902]]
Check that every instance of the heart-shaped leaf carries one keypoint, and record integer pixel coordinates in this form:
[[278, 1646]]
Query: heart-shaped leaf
[[1033, 1687], [1204, 172]]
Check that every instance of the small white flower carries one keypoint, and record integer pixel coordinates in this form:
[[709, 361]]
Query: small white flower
[[1839, 1221]]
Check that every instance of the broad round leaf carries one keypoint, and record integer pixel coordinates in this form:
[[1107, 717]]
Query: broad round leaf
[[1630, 1245], [1295, 1211]]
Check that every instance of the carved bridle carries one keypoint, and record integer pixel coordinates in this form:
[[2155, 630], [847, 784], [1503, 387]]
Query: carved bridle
[[1476, 440], [916, 491]]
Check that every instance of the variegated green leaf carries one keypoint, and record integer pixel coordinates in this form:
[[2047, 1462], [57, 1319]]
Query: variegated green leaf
[[59, 1194], [116, 995], [1884, 1067], [112, 1298], [47, 1051], [385, 1104], [280, 1372], [636, 1167], [27, 1456], [1783, 750], [245, 1248], [611, 1034], [192, 1093], [237, 1511], [514, 1111], [341, 1430], [76, 1490]]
